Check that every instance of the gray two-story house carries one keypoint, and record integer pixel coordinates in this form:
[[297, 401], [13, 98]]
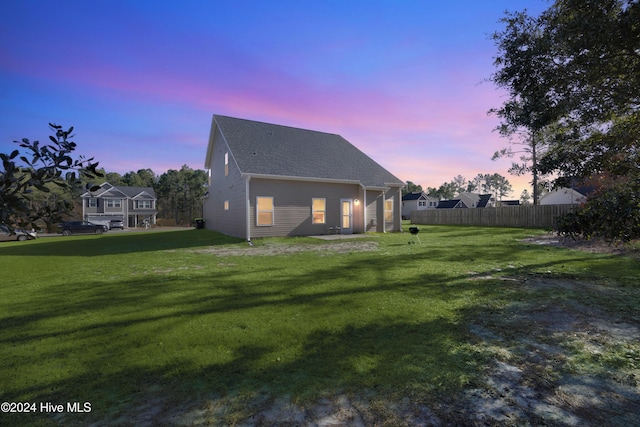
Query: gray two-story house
[[135, 206], [273, 180]]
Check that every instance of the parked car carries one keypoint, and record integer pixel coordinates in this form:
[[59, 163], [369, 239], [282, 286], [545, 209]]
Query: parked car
[[116, 223], [18, 234], [81, 227]]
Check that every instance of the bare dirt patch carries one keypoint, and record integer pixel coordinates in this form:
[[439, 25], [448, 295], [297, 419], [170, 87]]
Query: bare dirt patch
[[556, 361], [565, 362], [271, 249], [594, 245]]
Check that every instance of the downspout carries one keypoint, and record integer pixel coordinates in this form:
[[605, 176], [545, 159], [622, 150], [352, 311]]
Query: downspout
[[248, 208]]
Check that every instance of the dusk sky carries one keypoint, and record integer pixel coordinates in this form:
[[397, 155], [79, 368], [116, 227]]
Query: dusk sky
[[404, 81]]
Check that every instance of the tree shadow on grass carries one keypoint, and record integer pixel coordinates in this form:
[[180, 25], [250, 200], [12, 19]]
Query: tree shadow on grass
[[396, 353], [119, 243], [376, 357]]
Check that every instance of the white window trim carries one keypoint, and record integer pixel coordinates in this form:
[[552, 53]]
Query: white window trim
[[144, 201], [114, 203], [324, 211]]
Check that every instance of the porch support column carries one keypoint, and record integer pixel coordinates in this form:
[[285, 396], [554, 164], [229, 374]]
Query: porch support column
[[364, 208], [384, 221], [248, 208]]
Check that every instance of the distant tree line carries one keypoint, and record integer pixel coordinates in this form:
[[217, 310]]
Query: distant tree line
[[494, 184], [42, 183], [180, 193]]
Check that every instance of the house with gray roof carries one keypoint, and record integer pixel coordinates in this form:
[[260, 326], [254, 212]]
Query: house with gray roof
[[274, 180], [135, 206], [417, 201], [468, 200]]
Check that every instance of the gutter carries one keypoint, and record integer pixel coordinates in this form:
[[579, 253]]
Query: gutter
[[301, 178]]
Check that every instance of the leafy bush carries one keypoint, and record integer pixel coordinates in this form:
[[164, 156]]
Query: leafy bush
[[611, 212]]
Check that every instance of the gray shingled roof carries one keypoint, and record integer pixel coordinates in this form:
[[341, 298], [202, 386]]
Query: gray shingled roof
[[134, 191], [268, 149], [412, 196], [127, 191]]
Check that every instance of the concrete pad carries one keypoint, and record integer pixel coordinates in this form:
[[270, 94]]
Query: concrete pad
[[342, 236]]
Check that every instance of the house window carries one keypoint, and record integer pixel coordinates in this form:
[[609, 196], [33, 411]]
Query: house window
[[143, 204], [114, 203], [318, 211], [264, 211], [226, 205], [92, 203], [226, 164], [422, 203], [388, 210]]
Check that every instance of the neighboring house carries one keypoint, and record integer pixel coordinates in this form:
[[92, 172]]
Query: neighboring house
[[135, 206], [273, 180], [473, 200], [563, 196], [452, 204], [467, 200], [417, 201]]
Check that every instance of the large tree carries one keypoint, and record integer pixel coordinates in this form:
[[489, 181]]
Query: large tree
[[598, 46], [38, 168], [180, 194], [575, 73], [525, 71], [142, 178], [410, 187]]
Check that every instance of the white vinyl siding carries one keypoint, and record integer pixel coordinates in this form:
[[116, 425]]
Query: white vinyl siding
[[293, 210]]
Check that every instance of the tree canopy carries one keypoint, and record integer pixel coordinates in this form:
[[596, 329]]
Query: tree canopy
[[494, 184], [572, 76], [40, 168], [573, 79]]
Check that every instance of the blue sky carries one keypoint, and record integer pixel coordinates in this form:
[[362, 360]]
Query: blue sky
[[404, 81]]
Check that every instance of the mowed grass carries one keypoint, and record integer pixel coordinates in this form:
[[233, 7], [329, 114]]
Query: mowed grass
[[118, 319]]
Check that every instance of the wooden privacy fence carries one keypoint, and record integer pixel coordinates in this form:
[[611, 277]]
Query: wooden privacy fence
[[526, 216]]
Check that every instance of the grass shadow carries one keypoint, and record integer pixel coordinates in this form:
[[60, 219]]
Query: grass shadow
[[139, 348], [122, 243]]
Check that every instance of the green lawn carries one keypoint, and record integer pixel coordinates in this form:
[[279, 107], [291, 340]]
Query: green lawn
[[115, 319]]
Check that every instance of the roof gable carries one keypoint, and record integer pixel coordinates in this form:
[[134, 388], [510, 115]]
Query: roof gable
[[111, 191], [451, 204], [275, 150], [414, 196]]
